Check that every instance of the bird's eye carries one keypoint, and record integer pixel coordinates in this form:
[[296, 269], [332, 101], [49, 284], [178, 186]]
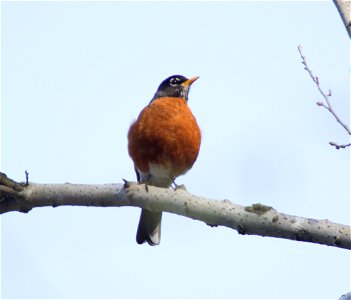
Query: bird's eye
[[174, 81]]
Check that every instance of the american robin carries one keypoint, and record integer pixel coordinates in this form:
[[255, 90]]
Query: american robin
[[163, 143]]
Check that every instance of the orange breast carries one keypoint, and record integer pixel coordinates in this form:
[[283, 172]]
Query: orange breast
[[166, 133]]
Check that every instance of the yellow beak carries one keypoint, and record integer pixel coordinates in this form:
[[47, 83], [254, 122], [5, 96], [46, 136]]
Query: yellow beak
[[190, 81]]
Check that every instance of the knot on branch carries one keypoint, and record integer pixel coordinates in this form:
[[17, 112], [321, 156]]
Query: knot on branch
[[5, 181], [258, 208], [10, 193]]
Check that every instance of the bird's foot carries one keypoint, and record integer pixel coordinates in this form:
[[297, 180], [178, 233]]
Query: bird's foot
[[179, 186], [146, 185]]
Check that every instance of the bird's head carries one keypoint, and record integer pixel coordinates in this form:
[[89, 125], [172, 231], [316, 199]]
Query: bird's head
[[175, 86]]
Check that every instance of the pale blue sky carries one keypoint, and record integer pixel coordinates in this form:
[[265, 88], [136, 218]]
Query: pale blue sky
[[74, 77]]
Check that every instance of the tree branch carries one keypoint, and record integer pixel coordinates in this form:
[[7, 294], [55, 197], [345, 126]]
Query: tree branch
[[327, 105], [343, 7], [257, 219]]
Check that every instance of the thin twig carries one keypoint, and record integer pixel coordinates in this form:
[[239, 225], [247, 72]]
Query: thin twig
[[327, 105], [27, 177], [337, 146]]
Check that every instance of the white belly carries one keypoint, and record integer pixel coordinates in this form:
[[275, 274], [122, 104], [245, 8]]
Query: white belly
[[158, 175]]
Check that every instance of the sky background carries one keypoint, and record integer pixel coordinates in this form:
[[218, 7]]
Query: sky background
[[74, 76]]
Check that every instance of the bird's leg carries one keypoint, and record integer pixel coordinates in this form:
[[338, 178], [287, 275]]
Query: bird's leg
[[146, 182], [137, 174], [142, 180]]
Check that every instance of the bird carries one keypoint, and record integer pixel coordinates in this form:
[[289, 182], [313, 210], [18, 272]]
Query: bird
[[164, 143]]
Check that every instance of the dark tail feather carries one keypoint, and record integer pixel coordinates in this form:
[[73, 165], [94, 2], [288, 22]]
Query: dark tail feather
[[149, 228]]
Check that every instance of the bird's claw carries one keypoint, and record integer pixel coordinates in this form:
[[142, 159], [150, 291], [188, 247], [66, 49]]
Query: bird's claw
[[126, 184], [179, 186]]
